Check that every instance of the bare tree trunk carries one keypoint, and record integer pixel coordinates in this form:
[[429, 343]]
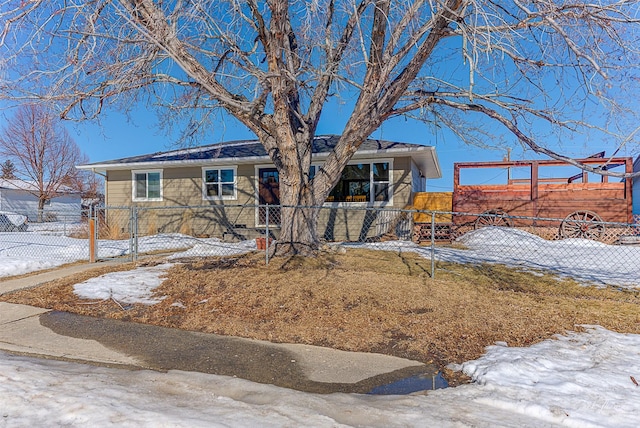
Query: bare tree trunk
[[298, 224], [41, 201]]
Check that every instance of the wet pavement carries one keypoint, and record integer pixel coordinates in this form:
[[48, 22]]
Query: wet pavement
[[161, 348]]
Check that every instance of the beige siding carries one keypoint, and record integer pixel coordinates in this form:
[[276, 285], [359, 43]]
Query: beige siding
[[340, 224], [402, 192], [118, 186], [182, 187]]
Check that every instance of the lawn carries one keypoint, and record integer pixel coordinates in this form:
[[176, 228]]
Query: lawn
[[362, 300]]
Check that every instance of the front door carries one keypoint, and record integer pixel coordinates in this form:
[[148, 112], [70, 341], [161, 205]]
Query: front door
[[269, 193]]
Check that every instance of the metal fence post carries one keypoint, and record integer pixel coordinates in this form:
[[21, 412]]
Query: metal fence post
[[433, 245], [266, 237], [92, 235], [133, 239]]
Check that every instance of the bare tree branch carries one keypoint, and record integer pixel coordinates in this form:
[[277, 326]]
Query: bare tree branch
[[540, 68]]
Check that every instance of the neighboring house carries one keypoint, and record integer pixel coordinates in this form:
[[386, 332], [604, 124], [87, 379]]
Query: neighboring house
[[221, 178], [18, 196]]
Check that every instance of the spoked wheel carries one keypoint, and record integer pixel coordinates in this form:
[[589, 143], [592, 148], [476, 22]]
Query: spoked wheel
[[582, 224], [492, 218]]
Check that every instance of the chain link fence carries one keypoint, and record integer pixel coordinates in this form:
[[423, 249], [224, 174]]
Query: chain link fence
[[55, 237], [600, 252], [577, 246], [581, 247]]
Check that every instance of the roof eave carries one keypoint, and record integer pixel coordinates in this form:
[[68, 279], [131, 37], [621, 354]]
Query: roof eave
[[173, 164], [424, 157]]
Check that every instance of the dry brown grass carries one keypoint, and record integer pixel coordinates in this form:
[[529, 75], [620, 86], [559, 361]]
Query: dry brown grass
[[365, 301]]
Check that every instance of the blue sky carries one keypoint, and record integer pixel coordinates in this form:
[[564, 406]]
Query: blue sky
[[117, 136]]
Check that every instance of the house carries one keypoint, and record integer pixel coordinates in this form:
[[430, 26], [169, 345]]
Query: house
[[223, 184], [18, 196]]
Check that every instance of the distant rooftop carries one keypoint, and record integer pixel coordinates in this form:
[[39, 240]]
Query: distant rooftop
[[28, 186]]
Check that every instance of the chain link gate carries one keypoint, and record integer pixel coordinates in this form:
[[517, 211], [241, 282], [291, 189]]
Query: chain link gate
[[114, 233]]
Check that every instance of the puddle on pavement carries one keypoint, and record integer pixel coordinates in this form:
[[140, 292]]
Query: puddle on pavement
[[409, 385]]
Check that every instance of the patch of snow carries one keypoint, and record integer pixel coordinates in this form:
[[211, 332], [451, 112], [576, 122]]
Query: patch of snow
[[215, 247], [134, 286]]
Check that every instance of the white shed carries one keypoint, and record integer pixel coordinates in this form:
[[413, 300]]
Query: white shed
[[15, 197]]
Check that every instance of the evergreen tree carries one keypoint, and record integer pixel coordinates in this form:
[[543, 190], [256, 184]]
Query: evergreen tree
[[8, 170]]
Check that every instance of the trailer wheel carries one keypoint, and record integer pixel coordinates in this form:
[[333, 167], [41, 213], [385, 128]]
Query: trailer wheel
[[492, 218], [582, 224]]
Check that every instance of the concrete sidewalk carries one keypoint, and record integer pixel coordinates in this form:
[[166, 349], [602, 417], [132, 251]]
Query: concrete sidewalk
[[49, 334], [9, 285], [21, 331]]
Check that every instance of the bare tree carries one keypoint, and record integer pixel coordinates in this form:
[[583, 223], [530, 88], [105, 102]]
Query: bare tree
[[89, 185], [541, 69], [44, 153]]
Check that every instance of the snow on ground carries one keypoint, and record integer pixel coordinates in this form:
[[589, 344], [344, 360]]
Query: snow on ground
[[587, 261], [59, 228], [23, 252], [174, 241], [579, 380], [582, 259], [213, 247], [134, 286]]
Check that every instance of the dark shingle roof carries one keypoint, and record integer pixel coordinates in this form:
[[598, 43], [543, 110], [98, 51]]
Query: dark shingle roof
[[245, 151]]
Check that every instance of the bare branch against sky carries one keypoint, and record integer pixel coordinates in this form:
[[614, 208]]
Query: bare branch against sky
[[541, 69]]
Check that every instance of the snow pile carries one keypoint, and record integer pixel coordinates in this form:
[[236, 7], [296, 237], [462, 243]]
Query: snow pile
[[215, 247], [584, 260], [148, 244], [580, 379], [134, 286], [581, 259], [500, 236], [26, 252]]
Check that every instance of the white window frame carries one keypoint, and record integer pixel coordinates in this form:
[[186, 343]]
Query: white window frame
[[374, 182], [371, 183], [134, 196], [220, 196]]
